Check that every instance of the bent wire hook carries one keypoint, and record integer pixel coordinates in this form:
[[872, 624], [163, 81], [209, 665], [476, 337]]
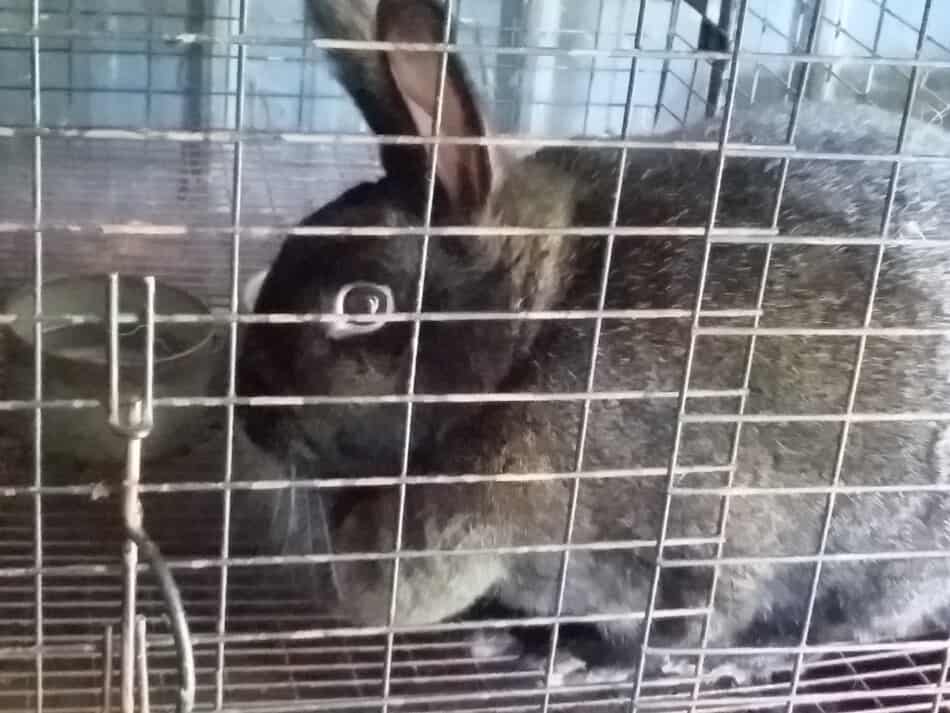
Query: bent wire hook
[[134, 429]]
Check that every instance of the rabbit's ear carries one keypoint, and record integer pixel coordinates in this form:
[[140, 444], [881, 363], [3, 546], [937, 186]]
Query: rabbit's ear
[[464, 172], [366, 77]]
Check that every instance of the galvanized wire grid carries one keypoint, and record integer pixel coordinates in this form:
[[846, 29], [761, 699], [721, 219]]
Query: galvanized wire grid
[[267, 669], [72, 203]]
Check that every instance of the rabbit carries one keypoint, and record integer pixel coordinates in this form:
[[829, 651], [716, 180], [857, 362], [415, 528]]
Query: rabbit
[[813, 284]]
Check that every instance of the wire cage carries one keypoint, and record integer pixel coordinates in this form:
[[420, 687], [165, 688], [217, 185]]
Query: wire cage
[[181, 140]]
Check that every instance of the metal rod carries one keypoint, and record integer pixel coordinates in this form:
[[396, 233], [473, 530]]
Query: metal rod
[[632, 315], [134, 428], [234, 303], [616, 51], [736, 149], [667, 704], [465, 398], [61, 321], [141, 660], [721, 38], [671, 35], [38, 372], [149, 63], [588, 100], [750, 150], [432, 183], [181, 635], [107, 661], [132, 515], [875, 48], [139, 426], [305, 72], [155, 230], [942, 680], [331, 483], [338, 633]]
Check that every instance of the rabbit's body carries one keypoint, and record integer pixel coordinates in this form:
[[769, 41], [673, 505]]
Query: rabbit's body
[[810, 287]]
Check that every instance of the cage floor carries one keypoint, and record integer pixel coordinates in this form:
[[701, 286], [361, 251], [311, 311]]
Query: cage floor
[[269, 667]]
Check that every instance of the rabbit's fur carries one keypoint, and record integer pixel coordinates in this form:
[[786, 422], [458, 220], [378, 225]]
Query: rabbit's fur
[[810, 286]]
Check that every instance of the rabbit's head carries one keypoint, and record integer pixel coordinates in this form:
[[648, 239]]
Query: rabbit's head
[[353, 276]]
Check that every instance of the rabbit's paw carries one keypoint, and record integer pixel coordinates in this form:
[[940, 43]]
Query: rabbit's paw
[[678, 667], [567, 668], [605, 674], [492, 644], [727, 675], [733, 676]]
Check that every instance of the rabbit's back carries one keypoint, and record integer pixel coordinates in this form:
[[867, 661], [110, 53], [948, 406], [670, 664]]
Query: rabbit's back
[[800, 383]]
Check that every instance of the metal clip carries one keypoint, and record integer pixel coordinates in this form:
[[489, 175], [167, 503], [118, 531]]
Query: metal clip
[[135, 428], [178, 621], [139, 428]]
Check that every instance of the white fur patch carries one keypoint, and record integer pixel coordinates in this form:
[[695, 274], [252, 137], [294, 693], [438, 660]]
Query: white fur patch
[[678, 667], [487, 645], [567, 668], [604, 674], [911, 229], [252, 288]]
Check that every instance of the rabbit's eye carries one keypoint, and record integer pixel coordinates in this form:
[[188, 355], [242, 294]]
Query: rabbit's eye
[[360, 299]]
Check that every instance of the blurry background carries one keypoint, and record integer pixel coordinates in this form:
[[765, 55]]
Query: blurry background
[[134, 64]]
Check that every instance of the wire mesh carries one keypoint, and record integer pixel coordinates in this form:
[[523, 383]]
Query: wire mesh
[[184, 142]]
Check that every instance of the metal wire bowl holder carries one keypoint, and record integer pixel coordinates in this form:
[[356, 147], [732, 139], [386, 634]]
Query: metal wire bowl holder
[[135, 428]]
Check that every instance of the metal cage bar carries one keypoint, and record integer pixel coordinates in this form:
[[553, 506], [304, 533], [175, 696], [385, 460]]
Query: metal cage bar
[[37, 197], [875, 46], [237, 189], [431, 183], [732, 90], [252, 40], [592, 365]]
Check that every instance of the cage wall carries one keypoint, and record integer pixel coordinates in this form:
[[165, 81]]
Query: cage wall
[[134, 106], [135, 67]]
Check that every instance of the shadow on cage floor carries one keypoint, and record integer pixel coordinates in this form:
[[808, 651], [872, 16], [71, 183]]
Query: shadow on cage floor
[[267, 665]]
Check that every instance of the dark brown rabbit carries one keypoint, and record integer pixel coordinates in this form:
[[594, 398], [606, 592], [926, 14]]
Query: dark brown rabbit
[[865, 591]]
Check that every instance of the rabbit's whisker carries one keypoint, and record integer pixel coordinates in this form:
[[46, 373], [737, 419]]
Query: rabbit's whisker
[[328, 538]]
